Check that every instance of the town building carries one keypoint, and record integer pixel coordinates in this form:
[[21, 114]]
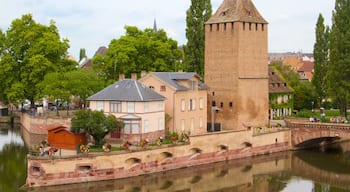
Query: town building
[[186, 103], [138, 106], [236, 66], [280, 96]]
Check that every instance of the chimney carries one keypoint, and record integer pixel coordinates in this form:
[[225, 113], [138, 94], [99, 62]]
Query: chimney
[[134, 76], [143, 73], [121, 77]]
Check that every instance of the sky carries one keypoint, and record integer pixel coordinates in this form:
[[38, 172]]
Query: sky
[[90, 24]]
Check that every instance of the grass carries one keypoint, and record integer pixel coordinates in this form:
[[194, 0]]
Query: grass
[[99, 149]]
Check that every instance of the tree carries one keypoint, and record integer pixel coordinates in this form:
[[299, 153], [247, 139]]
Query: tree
[[81, 83], [339, 66], [198, 13], [321, 55], [138, 51], [304, 92], [95, 123], [31, 50], [82, 54]]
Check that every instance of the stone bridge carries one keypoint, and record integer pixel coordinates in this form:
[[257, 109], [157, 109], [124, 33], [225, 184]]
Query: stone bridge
[[308, 134]]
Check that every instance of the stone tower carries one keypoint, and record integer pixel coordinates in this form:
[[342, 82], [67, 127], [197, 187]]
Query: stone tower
[[236, 68]]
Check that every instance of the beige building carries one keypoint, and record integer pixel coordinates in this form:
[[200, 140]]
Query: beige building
[[236, 65], [186, 103], [139, 107]]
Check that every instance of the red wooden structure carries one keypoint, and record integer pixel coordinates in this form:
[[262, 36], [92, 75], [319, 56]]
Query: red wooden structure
[[62, 137]]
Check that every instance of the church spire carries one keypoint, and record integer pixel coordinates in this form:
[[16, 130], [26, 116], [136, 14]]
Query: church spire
[[155, 25]]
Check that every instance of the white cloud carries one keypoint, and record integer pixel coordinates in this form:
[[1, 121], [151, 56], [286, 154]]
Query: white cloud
[[90, 24]]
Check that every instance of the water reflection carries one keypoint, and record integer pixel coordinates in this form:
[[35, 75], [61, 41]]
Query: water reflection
[[309, 171], [12, 159]]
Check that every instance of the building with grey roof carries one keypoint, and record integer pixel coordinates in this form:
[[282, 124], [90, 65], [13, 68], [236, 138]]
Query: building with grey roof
[[138, 106]]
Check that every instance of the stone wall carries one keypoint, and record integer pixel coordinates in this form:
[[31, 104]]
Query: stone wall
[[202, 149]]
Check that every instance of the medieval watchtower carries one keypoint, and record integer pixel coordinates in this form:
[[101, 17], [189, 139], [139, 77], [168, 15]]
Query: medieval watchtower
[[236, 65]]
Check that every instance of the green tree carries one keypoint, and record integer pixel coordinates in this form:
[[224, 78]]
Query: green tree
[[81, 83], [339, 66], [198, 13], [321, 55], [304, 91], [82, 54], [96, 124], [138, 51], [31, 50]]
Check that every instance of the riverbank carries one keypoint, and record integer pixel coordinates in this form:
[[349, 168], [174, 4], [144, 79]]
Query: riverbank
[[202, 149]]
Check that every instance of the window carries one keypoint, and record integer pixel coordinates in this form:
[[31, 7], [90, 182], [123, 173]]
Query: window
[[192, 105], [99, 105], [146, 107], [131, 107], [182, 124], [200, 103], [160, 124], [161, 106], [116, 107], [222, 104], [162, 88], [231, 104], [183, 105], [131, 127], [127, 126], [193, 85], [200, 122], [135, 127], [145, 126], [151, 87]]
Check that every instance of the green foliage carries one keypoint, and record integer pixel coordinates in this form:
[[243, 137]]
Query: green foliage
[[321, 55], [339, 68], [198, 13], [96, 124], [138, 51], [13, 166], [82, 54], [304, 91], [100, 149], [79, 82], [30, 51]]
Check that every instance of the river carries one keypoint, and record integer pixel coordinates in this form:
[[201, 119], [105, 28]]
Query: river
[[325, 170]]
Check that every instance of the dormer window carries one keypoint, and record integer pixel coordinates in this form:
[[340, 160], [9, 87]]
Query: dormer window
[[162, 88], [193, 85]]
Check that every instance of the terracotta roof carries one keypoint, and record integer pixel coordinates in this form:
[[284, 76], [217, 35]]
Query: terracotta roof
[[277, 84], [236, 10], [307, 66], [101, 51]]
